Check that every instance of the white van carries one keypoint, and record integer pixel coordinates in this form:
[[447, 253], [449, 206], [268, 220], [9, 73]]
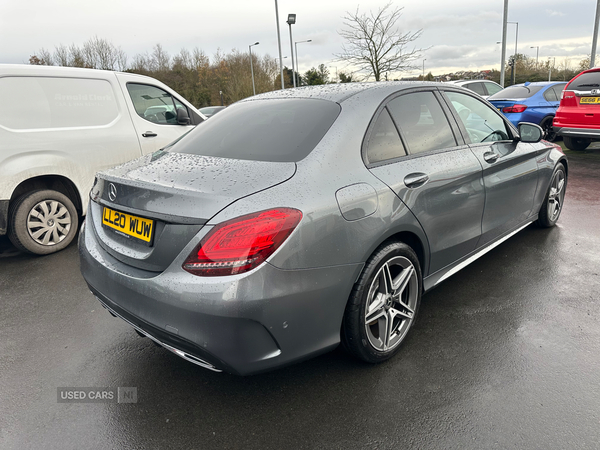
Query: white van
[[58, 127]]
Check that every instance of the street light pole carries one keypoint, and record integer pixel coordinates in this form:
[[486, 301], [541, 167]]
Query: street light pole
[[550, 68], [424, 68], [515, 58], [297, 65], [503, 57], [537, 54], [279, 44], [595, 38], [251, 67], [291, 21]]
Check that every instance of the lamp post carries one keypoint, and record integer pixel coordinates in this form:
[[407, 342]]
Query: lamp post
[[595, 37], [503, 57], [279, 44], [515, 58], [291, 21], [537, 54], [252, 67], [297, 65], [424, 68]]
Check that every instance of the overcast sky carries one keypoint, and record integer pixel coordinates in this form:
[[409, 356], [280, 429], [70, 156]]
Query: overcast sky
[[460, 34]]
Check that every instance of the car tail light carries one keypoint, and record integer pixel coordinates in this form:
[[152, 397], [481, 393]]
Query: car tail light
[[241, 244], [567, 94], [514, 108]]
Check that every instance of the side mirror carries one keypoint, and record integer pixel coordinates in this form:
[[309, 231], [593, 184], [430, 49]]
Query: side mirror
[[184, 119], [530, 132]]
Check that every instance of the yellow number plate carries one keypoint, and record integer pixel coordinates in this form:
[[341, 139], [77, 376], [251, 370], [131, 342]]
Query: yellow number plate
[[590, 100], [129, 225]]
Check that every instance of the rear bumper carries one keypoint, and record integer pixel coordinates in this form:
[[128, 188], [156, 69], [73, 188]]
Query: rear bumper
[[3, 217], [242, 324], [589, 133]]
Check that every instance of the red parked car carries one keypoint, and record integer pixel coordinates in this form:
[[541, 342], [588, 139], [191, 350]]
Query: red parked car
[[577, 119]]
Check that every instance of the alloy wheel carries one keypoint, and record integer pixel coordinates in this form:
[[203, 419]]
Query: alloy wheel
[[556, 195], [391, 303]]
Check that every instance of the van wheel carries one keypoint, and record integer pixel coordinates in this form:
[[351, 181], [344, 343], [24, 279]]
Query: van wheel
[[42, 222], [576, 144]]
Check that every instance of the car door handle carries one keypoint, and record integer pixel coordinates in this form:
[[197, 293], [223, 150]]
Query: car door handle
[[415, 180], [491, 157], [149, 134]]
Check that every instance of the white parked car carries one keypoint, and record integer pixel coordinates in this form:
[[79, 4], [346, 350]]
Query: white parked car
[[484, 88], [58, 127]]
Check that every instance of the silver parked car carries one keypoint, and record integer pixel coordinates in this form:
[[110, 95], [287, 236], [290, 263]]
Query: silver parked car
[[484, 88], [297, 219]]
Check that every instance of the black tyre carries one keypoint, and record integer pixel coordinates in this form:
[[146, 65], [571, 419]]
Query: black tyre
[[549, 133], [384, 303], [553, 202], [576, 144], [42, 222]]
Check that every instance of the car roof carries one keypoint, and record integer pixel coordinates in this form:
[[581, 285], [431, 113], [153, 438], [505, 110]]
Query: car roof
[[339, 92], [540, 83]]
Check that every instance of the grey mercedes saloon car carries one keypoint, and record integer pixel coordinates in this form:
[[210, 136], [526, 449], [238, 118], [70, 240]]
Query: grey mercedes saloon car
[[298, 219]]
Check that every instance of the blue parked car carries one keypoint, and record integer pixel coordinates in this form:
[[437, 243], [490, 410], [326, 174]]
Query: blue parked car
[[530, 102]]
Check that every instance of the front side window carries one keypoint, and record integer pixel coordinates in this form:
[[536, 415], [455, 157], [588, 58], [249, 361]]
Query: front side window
[[384, 142], [154, 104], [480, 120], [422, 122]]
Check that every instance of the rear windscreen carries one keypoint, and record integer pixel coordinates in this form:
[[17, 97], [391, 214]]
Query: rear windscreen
[[515, 92], [586, 82], [277, 130]]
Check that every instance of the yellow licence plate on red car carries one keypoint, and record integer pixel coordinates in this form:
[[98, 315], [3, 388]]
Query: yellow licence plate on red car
[[590, 100], [129, 225]]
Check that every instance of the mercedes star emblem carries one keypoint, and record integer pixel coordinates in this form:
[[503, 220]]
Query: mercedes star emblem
[[112, 192]]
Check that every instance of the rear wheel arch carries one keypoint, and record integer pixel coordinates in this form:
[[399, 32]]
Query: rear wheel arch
[[412, 240], [56, 183]]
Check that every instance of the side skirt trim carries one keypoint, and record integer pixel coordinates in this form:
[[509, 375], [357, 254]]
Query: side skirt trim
[[478, 254]]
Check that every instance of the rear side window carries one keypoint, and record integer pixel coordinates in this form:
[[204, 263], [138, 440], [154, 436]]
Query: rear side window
[[384, 141], [550, 95], [42, 103], [277, 130], [516, 92], [558, 89], [586, 82], [492, 88], [154, 104], [553, 93], [422, 122], [477, 87]]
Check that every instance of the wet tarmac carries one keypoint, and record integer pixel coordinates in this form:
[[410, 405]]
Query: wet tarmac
[[505, 354]]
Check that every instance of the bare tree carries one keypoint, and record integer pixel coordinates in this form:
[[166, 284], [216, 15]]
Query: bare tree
[[375, 45], [61, 55]]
